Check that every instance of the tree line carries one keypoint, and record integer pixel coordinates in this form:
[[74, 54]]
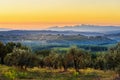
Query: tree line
[[18, 55]]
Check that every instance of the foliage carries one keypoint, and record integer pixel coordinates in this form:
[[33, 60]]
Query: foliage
[[2, 52], [80, 57], [21, 58], [17, 55]]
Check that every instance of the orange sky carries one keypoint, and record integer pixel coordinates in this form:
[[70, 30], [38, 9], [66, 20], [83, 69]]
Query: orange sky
[[41, 14]]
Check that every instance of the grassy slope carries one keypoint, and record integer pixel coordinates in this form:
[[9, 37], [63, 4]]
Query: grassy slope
[[11, 73]]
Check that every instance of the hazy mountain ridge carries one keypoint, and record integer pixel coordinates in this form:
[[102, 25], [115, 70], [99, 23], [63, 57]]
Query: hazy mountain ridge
[[45, 37], [86, 28], [67, 35]]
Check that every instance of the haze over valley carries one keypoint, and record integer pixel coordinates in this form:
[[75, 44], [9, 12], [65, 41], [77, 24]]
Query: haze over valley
[[64, 36]]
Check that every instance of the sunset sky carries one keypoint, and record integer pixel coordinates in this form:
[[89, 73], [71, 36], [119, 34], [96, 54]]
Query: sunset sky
[[41, 14]]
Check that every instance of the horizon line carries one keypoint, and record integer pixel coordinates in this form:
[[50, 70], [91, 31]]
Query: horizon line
[[91, 25]]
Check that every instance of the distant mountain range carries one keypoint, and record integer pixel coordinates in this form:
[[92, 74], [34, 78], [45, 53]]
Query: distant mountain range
[[68, 35], [60, 36], [55, 38], [86, 28]]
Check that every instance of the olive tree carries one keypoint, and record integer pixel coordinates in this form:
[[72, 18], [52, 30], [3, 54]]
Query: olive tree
[[2, 52], [78, 56], [21, 58]]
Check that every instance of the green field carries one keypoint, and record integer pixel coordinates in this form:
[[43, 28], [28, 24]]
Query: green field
[[12, 73]]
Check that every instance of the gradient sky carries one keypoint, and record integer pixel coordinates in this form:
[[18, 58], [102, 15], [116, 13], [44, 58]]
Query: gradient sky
[[40, 14]]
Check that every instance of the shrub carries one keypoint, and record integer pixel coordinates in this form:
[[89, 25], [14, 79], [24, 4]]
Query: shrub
[[10, 74]]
